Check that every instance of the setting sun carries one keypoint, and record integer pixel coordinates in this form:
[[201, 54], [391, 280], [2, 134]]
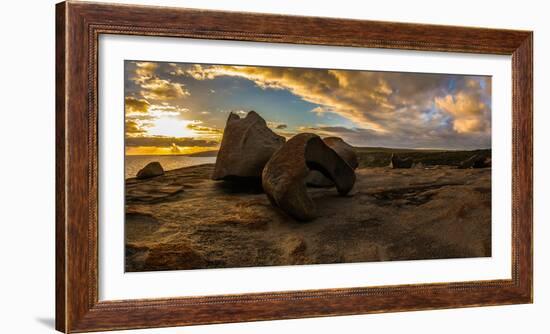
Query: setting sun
[[171, 127]]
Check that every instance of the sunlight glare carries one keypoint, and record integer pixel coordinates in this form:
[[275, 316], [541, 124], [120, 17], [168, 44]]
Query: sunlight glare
[[171, 127]]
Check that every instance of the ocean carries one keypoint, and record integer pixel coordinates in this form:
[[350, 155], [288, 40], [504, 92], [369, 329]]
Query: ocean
[[136, 162]]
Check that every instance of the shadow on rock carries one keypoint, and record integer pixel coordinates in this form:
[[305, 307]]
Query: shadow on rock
[[237, 185]]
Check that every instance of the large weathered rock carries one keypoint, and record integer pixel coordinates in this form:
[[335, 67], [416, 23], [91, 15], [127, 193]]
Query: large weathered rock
[[152, 169], [398, 162], [283, 177], [247, 144], [318, 180], [344, 150]]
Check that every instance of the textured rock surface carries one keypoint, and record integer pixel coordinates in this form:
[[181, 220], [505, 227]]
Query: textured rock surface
[[344, 150], [284, 176], [247, 144], [391, 214], [151, 170]]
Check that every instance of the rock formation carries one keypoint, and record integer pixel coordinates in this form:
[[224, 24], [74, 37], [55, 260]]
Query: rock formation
[[398, 162], [318, 180], [283, 177], [344, 150], [390, 217], [152, 169], [246, 146]]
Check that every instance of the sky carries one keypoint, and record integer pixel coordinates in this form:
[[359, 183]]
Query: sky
[[181, 108]]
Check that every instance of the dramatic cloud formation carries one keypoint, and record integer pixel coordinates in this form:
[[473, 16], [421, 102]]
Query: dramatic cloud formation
[[366, 108], [382, 101]]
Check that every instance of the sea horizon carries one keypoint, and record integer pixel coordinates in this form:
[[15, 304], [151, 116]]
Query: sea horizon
[[133, 163]]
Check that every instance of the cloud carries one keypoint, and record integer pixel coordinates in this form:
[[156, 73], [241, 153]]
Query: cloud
[[329, 130], [162, 89], [133, 105], [200, 129], [176, 70], [144, 71], [470, 112], [166, 109], [320, 87], [439, 139], [151, 86], [198, 72], [133, 128], [389, 108], [168, 141], [466, 112], [321, 110], [276, 125], [382, 101]]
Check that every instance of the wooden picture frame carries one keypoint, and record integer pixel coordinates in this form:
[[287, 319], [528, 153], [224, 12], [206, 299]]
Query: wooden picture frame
[[78, 26]]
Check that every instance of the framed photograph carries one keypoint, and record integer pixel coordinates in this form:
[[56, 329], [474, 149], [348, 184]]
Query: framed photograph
[[222, 167]]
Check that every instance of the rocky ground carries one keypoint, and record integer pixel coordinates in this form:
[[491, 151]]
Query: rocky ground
[[184, 220]]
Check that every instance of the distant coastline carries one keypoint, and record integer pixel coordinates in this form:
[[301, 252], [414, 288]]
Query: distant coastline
[[212, 153], [133, 163], [369, 157], [363, 149]]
